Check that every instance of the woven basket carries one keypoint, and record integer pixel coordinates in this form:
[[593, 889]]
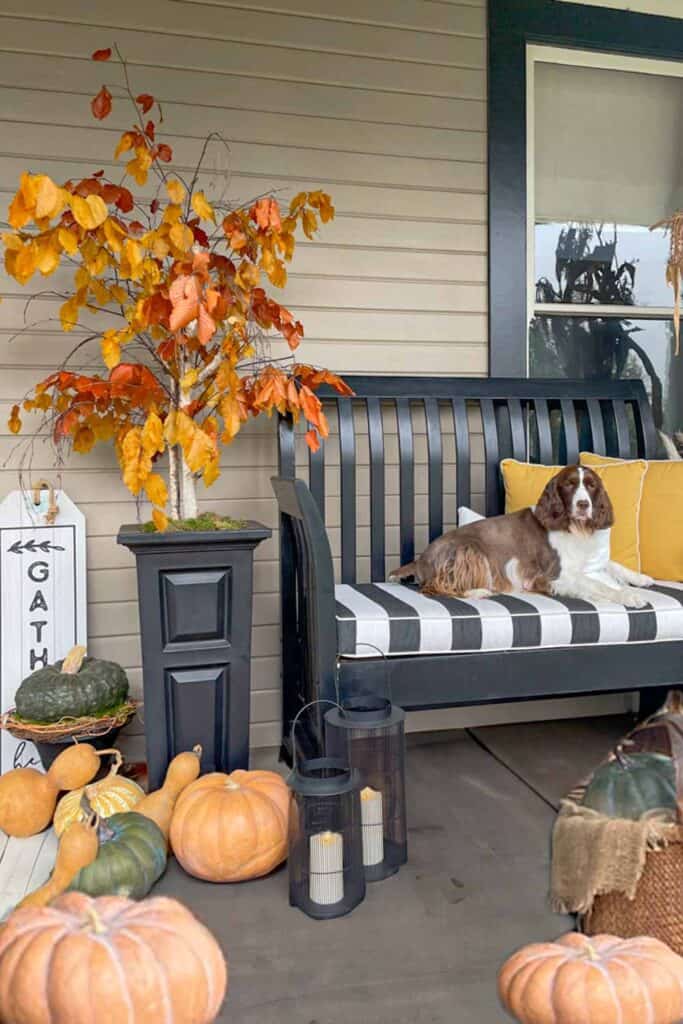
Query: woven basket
[[657, 909]]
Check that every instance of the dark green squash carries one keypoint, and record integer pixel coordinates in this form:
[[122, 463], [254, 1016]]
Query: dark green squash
[[629, 785], [91, 687], [131, 858]]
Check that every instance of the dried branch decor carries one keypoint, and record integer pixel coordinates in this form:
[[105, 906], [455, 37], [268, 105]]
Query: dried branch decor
[[674, 267], [178, 277]]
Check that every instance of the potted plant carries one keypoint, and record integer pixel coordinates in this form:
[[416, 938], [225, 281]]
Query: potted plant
[[178, 282]]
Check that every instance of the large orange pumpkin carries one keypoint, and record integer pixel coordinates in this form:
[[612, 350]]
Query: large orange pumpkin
[[85, 960], [227, 828], [596, 980]]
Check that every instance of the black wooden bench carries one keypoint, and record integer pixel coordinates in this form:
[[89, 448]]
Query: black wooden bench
[[545, 421]]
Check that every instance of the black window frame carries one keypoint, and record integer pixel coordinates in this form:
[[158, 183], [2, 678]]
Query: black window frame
[[512, 25]]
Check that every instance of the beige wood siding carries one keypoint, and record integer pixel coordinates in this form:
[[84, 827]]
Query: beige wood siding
[[382, 104]]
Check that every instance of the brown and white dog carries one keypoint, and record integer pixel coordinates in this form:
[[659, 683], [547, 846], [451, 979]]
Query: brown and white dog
[[558, 548]]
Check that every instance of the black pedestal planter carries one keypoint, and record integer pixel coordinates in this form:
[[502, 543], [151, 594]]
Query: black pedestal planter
[[195, 598]]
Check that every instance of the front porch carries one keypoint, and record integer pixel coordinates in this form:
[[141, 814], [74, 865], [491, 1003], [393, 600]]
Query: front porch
[[425, 945]]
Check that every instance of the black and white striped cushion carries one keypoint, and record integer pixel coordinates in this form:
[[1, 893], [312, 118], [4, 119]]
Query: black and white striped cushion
[[397, 619]]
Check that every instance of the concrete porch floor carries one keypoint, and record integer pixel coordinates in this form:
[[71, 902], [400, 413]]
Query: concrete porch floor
[[425, 945]]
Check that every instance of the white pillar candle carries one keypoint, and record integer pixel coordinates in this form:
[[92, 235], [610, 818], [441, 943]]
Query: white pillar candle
[[326, 883], [373, 826]]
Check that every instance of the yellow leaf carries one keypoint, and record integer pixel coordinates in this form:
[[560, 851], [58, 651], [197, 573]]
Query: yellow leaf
[[19, 213], [47, 256], [211, 473], [68, 240], [172, 214], [89, 212], [133, 255], [25, 263], [111, 349], [113, 234], [126, 143], [155, 488], [182, 237], [84, 439], [309, 223], [200, 450], [297, 202], [14, 422], [68, 314], [140, 165], [49, 198], [176, 192], [229, 409], [203, 208], [118, 293], [152, 436], [247, 276], [189, 380], [135, 462], [160, 520], [103, 426]]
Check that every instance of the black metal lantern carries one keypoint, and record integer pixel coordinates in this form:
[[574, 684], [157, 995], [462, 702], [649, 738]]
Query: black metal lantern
[[368, 732], [326, 876]]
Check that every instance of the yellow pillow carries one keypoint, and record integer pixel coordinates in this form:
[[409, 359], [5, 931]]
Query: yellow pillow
[[524, 484], [661, 517]]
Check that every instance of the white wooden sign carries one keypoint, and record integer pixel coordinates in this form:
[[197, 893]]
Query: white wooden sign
[[42, 597]]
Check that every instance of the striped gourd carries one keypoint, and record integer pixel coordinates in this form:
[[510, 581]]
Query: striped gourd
[[111, 795]]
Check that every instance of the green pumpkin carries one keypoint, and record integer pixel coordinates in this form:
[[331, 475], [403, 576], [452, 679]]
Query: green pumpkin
[[632, 784], [49, 694], [131, 858]]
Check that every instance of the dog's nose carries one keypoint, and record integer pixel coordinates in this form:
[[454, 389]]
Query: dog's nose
[[582, 505]]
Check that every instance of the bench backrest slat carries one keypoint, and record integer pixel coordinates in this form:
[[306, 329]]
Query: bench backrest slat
[[435, 467], [347, 456], [406, 479], [377, 484], [412, 428]]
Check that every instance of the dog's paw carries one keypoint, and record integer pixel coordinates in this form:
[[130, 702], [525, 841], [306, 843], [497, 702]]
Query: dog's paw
[[644, 581], [633, 599]]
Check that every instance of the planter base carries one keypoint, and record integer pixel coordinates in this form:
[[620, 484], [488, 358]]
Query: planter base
[[195, 600]]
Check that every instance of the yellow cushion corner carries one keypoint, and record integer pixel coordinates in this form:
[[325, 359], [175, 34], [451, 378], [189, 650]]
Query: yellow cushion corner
[[661, 516], [524, 482]]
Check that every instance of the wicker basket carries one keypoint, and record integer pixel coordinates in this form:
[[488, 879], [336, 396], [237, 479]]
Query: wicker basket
[[657, 909]]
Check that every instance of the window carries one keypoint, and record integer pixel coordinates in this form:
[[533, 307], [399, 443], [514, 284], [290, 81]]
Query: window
[[605, 162]]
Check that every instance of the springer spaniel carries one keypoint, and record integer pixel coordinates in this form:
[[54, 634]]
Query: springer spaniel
[[558, 548]]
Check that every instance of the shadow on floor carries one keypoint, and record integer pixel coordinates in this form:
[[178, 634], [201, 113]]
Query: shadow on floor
[[425, 945]]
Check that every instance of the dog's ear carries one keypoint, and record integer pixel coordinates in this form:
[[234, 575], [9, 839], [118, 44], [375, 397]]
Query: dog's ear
[[603, 513], [550, 510]]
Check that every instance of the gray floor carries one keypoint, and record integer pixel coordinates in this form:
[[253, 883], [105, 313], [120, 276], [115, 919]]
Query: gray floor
[[425, 945]]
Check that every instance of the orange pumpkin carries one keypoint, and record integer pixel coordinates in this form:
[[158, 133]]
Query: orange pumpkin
[[596, 980], [146, 962], [227, 828]]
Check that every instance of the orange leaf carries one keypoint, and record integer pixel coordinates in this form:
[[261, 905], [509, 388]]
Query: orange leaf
[[160, 520], [146, 101], [155, 488], [312, 440], [102, 54], [101, 104], [14, 422], [207, 326]]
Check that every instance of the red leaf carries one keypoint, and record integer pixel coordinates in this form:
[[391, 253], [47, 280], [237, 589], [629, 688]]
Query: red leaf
[[101, 104], [165, 153], [102, 54], [154, 205], [149, 130], [125, 201], [200, 236], [135, 227], [146, 101], [97, 174]]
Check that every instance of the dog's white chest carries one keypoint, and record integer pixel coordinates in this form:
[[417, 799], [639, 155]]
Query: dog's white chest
[[581, 552]]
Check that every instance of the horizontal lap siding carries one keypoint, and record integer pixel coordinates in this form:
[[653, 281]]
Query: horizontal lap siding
[[381, 104]]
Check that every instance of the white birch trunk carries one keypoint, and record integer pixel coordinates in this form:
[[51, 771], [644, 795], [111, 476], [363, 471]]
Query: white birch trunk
[[189, 492], [173, 482]]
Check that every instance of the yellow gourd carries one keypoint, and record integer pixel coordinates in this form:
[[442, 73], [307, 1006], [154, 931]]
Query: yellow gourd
[[183, 769], [77, 848], [113, 794], [28, 797]]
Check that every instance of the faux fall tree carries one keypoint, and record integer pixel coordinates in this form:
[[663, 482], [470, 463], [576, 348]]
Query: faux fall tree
[[180, 278]]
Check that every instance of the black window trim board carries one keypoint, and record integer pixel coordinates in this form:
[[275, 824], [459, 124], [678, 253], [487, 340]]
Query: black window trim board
[[512, 25]]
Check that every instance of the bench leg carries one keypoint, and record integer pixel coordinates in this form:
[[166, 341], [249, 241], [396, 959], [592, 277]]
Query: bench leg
[[651, 700]]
